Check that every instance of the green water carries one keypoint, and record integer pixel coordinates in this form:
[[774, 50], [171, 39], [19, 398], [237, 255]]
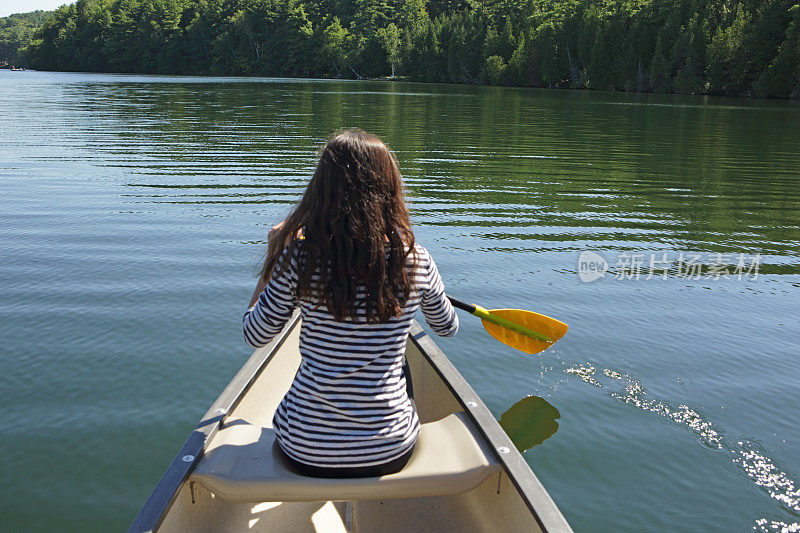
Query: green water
[[134, 210]]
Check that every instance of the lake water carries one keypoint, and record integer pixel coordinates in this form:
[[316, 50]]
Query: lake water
[[134, 211]]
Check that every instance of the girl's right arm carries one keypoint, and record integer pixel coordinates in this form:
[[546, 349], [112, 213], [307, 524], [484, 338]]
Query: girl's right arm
[[273, 307], [439, 312]]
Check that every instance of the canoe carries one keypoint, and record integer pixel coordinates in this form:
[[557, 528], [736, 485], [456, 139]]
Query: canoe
[[464, 474]]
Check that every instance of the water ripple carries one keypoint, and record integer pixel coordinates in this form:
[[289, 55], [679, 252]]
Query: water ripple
[[773, 526], [753, 461]]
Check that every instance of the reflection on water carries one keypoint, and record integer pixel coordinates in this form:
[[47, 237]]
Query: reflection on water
[[529, 422], [138, 206], [574, 171]]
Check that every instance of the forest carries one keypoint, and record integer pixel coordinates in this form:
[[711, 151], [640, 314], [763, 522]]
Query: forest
[[725, 47], [15, 36]]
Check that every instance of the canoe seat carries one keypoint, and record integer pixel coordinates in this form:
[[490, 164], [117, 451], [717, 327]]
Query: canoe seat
[[244, 464]]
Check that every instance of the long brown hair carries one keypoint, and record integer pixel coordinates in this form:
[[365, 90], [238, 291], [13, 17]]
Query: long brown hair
[[355, 231]]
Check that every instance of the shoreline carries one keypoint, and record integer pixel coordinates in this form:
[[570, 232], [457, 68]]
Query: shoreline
[[401, 79]]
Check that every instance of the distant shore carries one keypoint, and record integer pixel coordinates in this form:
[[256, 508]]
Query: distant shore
[[718, 47], [401, 79]]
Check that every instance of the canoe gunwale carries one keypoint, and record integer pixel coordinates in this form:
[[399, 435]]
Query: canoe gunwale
[[158, 504], [538, 500]]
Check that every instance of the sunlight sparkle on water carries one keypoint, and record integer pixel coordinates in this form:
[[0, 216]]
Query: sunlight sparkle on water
[[756, 465], [765, 474], [766, 526]]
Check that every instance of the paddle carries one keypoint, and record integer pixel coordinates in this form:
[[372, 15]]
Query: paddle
[[524, 330]]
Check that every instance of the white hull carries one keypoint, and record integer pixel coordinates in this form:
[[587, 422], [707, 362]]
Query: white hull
[[495, 490]]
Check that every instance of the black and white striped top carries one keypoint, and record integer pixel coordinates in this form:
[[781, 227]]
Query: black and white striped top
[[348, 405]]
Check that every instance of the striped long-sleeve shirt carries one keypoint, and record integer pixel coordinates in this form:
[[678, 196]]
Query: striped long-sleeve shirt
[[348, 406]]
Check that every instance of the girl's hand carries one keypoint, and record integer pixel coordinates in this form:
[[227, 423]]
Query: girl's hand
[[273, 234]]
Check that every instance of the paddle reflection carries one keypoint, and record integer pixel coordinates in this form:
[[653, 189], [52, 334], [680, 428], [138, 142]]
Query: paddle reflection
[[529, 422]]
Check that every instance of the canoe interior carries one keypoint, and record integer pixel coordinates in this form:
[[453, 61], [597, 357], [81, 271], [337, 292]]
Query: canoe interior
[[497, 504]]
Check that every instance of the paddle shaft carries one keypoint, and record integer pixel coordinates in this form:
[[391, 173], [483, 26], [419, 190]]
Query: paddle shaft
[[483, 314], [464, 306]]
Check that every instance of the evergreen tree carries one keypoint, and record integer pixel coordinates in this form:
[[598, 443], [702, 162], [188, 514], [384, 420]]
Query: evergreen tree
[[724, 75], [782, 77], [335, 39], [519, 64], [737, 47], [390, 39]]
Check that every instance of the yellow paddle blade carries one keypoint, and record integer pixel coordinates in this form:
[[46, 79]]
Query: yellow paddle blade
[[542, 324]]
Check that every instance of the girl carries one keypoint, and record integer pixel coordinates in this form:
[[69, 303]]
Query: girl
[[346, 257]]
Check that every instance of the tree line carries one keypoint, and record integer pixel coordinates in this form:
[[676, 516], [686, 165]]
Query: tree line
[[15, 36], [727, 47]]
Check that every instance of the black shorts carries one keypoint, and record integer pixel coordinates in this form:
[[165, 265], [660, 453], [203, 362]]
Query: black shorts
[[393, 466]]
